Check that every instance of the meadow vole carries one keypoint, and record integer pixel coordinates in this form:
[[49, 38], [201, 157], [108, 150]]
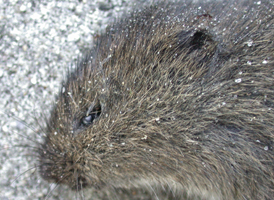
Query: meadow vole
[[176, 96]]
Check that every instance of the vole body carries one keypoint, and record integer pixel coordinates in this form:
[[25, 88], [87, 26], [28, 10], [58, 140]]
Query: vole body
[[171, 97]]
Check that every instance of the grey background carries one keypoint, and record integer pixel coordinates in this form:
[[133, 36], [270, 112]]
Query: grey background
[[39, 40]]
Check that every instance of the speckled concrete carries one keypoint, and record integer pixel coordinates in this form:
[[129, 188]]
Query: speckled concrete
[[39, 40]]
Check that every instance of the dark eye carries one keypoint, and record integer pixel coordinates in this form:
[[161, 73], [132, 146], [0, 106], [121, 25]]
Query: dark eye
[[92, 115], [87, 120]]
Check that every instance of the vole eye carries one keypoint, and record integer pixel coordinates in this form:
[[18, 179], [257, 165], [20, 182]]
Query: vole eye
[[87, 120], [93, 112]]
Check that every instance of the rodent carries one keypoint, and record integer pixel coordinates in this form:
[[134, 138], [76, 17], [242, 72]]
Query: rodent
[[177, 95]]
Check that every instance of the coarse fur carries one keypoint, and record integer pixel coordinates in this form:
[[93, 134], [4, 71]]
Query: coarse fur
[[171, 97]]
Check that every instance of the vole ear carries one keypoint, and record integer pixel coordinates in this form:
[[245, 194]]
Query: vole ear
[[199, 39], [208, 54], [185, 43]]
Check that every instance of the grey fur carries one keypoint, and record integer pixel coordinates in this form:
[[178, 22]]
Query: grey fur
[[181, 101]]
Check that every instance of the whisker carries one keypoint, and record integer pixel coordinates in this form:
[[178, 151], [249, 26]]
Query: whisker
[[77, 184], [21, 121], [35, 167], [41, 127], [51, 190], [115, 193], [173, 194], [153, 191], [26, 137], [81, 191], [20, 146]]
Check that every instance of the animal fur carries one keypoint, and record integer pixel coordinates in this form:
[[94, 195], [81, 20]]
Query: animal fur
[[176, 97]]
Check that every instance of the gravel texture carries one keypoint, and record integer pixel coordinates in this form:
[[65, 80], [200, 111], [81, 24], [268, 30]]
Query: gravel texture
[[39, 40]]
